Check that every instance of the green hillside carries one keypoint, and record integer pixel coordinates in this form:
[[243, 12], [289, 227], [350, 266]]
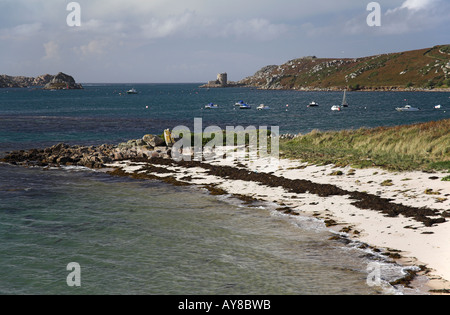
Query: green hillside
[[417, 69]]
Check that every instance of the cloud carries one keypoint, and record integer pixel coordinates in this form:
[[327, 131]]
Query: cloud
[[52, 50], [257, 28], [94, 47], [416, 5], [172, 25], [21, 32], [414, 15], [406, 17], [189, 24]]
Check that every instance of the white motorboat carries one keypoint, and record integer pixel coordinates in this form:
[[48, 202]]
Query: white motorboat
[[211, 106], [239, 103], [132, 91], [407, 108], [313, 104], [245, 106], [438, 106], [263, 107], [336, 108]]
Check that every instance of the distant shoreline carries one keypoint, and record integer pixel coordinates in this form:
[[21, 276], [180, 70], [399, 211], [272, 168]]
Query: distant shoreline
[[339, 89]]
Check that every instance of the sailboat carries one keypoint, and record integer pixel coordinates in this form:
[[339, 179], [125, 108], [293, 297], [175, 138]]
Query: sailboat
[[344, 100]]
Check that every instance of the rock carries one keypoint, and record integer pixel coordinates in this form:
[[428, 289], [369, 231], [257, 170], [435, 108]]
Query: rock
[[62, 81], [88, 156], [153, 140], [140, 143], [132, 143]]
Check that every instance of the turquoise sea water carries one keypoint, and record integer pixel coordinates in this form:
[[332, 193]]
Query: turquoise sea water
[[147, 237]]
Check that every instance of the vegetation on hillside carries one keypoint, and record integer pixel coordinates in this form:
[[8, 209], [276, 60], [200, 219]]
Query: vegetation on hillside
[[418, 69]]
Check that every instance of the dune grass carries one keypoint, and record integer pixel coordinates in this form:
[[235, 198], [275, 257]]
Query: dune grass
[[411, 147]]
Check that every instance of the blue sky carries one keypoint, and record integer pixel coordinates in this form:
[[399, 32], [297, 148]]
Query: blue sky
[[152, 41]]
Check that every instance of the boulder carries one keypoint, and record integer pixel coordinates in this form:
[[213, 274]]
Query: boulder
[[153, 140]]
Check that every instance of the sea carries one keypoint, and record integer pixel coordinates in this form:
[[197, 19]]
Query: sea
[[145, 237]]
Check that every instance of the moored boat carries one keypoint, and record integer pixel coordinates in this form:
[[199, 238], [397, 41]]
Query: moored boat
[[336, 108], [211, 106], [407, 108]]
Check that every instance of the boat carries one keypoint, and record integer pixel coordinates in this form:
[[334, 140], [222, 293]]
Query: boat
[[262, 107], [438, 106], [336, 108], [132, 91], [407, 108], [344, 100], [313, 104], [211, 106], [239, 103], [245, 106]]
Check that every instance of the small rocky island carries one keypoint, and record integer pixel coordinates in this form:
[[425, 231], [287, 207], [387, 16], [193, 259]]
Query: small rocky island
[[61, 81]]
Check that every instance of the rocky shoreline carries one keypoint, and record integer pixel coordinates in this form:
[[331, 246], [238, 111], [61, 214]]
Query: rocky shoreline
[[89, 156]]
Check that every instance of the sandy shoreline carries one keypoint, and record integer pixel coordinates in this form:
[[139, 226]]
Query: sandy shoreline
[[420, 242]]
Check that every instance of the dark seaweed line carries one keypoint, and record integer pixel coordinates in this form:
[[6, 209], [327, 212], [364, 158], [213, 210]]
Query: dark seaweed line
[[300, 186]]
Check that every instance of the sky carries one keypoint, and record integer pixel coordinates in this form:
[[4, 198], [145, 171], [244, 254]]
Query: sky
[[177, 41]]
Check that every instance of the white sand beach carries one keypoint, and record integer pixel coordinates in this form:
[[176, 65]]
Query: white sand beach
[[418, 244]]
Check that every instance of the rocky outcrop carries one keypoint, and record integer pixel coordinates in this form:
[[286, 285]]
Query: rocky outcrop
[[62, 81], [89, 156], [59, 81]]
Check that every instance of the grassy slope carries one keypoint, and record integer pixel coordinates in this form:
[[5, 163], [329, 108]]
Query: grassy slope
[[422, 68], [413, 147]]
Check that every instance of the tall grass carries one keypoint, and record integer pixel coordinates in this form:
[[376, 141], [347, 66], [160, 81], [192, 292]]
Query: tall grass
[[420, 146]]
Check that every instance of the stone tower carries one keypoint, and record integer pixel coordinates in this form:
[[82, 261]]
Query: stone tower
[[222, 79]]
